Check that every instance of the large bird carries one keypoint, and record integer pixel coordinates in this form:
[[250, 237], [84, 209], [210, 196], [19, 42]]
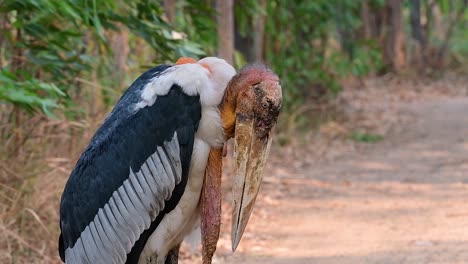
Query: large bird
[[134, 193]]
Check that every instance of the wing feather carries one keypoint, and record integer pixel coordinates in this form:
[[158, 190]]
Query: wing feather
[[144, 197], [89, 247], [117, 223], [156, 187], [172, 151], [109, 239], [97, 240], [157, 168], [167, 170]]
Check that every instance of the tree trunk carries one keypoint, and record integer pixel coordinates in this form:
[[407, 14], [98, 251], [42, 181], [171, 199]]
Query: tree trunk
[[346, 33], [169, 10], [366, 20], [259, 34], [417, 56], [416, 29], [243, 44], [225, 19], [394, 52], [437, 22]]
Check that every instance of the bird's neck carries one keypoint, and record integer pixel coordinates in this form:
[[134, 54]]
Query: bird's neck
[[228, 109]]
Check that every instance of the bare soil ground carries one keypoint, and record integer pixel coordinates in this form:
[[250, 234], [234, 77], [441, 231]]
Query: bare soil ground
[[401, 200]]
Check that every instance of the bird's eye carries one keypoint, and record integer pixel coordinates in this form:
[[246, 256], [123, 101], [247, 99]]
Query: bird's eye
[[265, 105]]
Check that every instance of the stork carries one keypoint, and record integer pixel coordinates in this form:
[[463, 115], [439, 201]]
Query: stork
[[135, 192]]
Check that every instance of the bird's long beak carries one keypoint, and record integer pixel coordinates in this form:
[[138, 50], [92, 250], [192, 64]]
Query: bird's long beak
[[250, 153]]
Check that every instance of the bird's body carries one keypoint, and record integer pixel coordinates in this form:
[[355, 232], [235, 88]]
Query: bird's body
[[135, 191], [153, 168]]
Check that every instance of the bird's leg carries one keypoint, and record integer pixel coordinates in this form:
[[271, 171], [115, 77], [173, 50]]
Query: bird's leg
[[151, 260], [173, 255]]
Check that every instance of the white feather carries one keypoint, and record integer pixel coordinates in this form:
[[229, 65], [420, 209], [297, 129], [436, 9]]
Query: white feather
[[194, 79]]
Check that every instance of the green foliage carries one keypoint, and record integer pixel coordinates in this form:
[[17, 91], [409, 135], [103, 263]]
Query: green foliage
[[306, 52], [197, 19], [245, 14], [27, 93], [366, 59], [458, 43], [46, 44], [146, 22], [365, 137]]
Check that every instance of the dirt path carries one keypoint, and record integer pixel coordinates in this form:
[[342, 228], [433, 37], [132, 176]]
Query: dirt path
[[402, 200]]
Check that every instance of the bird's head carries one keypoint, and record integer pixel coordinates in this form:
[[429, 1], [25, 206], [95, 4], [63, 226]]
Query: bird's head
[[249, 111]]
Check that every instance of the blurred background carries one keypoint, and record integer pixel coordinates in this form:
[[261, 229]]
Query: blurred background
[[374, 120]]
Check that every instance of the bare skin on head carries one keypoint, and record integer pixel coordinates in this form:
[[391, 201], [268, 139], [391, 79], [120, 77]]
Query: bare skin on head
[[249, 111]]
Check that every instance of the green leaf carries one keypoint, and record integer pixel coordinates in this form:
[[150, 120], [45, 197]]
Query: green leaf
[[366, 137]]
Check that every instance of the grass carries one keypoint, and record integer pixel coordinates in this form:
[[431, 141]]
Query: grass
[[33, 172], [363, 137]]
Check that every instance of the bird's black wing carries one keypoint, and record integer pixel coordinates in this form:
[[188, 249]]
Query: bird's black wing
[[132, 173]]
